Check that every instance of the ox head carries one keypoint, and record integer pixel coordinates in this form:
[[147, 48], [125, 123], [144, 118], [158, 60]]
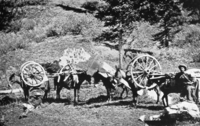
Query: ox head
[[14, 78]]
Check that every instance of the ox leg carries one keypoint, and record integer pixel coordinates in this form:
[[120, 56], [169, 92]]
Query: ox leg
[[135, 100], [165, 96], [78, 90], [108, 94], [158, 94], [126, 92], [121, 95], [167, 100], [75, 96], [58, 92], [26, 93], [46, 90], [163, 100], [124, 89], [197, 92]]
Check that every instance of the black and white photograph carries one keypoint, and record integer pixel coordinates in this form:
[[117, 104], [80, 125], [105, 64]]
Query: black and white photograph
[[99, 62]]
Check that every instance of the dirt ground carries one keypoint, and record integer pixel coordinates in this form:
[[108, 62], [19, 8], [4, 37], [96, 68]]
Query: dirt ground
[[93, 110]]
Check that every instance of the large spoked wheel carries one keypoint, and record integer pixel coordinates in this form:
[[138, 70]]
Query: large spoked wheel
[[33, 74], [143, 67]]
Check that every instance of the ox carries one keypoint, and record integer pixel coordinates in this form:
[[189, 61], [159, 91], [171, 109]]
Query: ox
[[71, 81], [135, 88], [16, 78], [169, 84], [107, 80]]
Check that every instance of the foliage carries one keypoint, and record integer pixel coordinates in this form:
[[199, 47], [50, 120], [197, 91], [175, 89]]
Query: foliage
[[11, 42], [194, 9], [119, 16], [7, 13], [11, 10], [143, 35], [75, 24]]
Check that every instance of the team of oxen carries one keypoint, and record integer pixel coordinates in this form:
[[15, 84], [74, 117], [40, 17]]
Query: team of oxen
[[166, 84]]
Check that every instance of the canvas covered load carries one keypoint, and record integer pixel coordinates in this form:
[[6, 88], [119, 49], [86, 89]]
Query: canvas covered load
[[74, 56]]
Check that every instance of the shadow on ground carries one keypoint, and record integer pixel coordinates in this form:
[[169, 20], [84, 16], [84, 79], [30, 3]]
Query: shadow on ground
[[52, 100], [117, 101], [7, 100]]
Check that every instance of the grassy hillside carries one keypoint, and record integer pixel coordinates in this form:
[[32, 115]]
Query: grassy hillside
[[45, 29]]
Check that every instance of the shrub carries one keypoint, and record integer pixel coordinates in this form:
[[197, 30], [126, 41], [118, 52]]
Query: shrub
[[28, 24], [15, 26], [189, 38], [38, 34], [92, 6], [91, 27], [143, 35], [11, 42], [75, 24]]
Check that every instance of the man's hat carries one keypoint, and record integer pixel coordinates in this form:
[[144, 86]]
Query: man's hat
[[182, 65]]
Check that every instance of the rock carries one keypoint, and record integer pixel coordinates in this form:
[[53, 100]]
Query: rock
[[189, 107]]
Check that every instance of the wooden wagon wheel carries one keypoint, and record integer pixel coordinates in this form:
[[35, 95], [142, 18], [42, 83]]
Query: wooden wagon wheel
[[33, 74], [142, 67]]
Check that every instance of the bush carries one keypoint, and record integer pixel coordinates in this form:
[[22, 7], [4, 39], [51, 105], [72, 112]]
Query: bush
[[189, 38], [143, 35], [15, 26], [92, 6], [11, 42], [75, 24], [38, 34], [28, 24]]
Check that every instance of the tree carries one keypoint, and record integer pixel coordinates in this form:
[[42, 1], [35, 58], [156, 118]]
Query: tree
[[119, 15], [193, 6]]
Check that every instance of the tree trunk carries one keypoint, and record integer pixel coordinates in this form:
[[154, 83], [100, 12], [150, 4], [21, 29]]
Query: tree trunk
[[120, 55]]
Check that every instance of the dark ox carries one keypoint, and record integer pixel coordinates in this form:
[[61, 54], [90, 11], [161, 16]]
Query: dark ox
[[134, 87], [169, 85], [16, 78], [107, 82], [71, 81]]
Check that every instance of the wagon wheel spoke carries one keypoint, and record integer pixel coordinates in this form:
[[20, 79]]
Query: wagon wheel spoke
[[140, 65], [38, 77], [153, 67], [137, 72], [147, 61], [141, 80], [152, 61], [138, 77], [37, 71], [144, 63], [27, 70]]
